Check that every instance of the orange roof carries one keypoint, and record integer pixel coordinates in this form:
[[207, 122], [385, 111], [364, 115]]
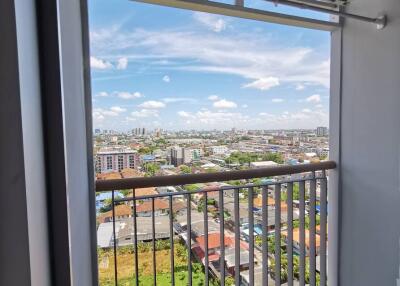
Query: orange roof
[[159, 204], [130, 173], [257, 202], [121, 210], [214, 241], [296, 237], [143, 192], [108, 176]]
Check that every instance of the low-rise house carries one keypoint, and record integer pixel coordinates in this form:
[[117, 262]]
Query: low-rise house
[[124, 230], [214, 242], [296, 241], [263, 164], [230, 260], [120, 212], [145, 209]]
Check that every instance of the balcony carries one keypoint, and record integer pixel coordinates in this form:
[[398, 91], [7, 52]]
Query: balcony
[[273, 232]]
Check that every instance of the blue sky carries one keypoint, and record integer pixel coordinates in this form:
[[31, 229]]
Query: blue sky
[[159, 67]]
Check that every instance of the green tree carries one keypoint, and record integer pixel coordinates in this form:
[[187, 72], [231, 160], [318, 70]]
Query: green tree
[[185, 169], [151, 169]]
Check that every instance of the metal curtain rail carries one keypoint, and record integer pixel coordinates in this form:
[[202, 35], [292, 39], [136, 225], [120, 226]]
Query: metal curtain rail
[[162, 181], [380, 20], [240, 11]]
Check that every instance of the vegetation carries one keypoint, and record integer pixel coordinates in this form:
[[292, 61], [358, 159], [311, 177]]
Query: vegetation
[[125, 260], [151, 169], [284, 261], [192, 187], [246, 158], [185, 169]]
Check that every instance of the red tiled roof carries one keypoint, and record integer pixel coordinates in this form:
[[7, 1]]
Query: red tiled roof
[[121, 210], [159, 204], [214, 241]]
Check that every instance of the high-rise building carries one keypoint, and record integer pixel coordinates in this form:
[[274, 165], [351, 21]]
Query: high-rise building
[[180, 155], [115, 159], [322, 131]]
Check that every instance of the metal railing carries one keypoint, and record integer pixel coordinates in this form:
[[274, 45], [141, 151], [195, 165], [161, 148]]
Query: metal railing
[[303, 207]]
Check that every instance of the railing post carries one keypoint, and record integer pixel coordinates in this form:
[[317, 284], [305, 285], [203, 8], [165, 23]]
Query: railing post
[[264, 236], [171, 241], [114, 239], [290, 232], [135, 246], [221, 238], [278, 234], [206, 261]]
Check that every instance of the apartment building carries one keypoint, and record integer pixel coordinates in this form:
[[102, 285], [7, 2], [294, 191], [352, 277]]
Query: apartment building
[[115, 159]]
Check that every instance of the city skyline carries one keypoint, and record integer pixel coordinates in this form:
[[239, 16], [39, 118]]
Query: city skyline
[[183, 70]]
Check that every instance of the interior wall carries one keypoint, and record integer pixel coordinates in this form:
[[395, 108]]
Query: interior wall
[[370, 147], [31, 112], [14, 243], [79, 179]]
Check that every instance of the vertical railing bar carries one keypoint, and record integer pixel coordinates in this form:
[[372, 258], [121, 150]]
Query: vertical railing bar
[[171, 241], [290, 232], [206, 261], [153, 226], [302, 233], [135, 238], [323, 223], [251, 235], [114, 239], [189, 238], [237, 236], [312, 231], [264, 236], [278, 234], [221, 237]]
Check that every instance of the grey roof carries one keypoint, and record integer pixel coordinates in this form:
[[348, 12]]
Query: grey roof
[[105, 234], [124, 230], [230, 257]]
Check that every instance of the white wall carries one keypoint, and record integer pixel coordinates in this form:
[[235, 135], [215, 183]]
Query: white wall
[[370, 148], [79, 191], [31, 111]]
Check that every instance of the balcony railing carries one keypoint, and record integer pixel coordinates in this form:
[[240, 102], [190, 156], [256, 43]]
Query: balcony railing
[[277, 232]]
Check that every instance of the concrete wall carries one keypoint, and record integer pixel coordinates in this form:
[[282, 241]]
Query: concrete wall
[[32, 133], [370, 148], [14, 243]]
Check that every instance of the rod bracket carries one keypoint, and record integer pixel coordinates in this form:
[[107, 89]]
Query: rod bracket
[[380, 22]]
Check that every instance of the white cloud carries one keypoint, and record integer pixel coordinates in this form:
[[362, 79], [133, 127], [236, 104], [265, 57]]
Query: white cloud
[[212, 22], [250, 56], [166, 78], [152, 104], [213, 97], [102, 94], [245, 106], [143, 113], [117, 109], [184, 114], [306, 110], [300, 86], [224, 104], [179, 99], [99, 114], [319, 106], [263, 83], [277, 100], [127, 95], [100, 64], [315, 98], [122, 63]]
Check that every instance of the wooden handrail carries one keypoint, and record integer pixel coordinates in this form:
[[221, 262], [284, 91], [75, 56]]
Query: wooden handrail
[[175, 180]]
